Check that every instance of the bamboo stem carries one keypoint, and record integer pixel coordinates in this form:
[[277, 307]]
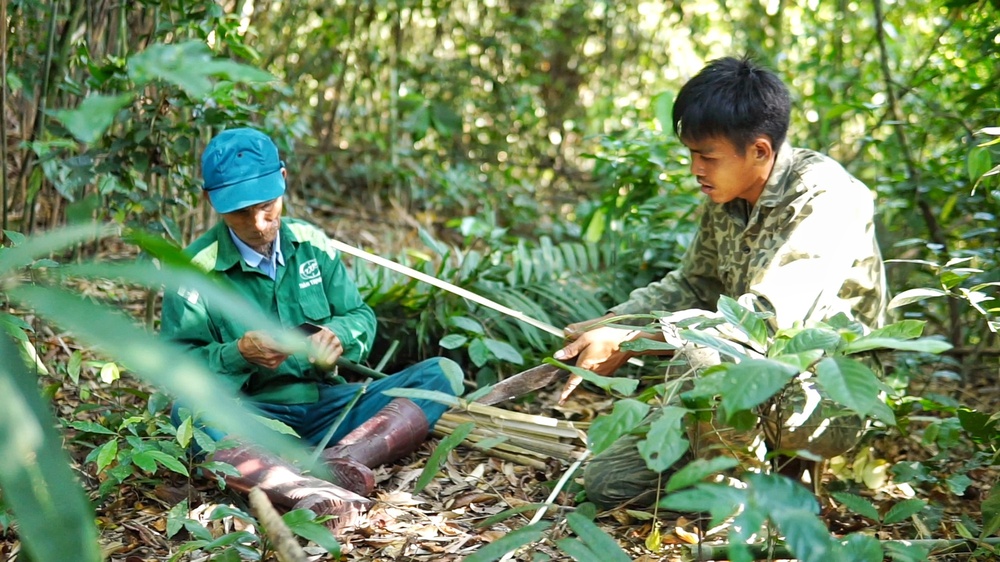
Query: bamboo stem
[[3, 113]]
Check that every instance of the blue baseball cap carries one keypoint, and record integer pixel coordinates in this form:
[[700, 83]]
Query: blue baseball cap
[[241, 168]]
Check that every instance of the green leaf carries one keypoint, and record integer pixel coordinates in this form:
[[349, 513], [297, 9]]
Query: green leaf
[[978, 163], [185, 432], [456, 378], [189, 66], [806, 536], [440, 453], [145, 461], [169, 462], [617, 385], [883, 413], [745, 320], [74, 365], [698, 470], [914, 295], [860, 548], [903, 510], [980, 427], [724, 347], [645, 344], [302, 523], [925, 345], [176, 517], [91, 427], [467, 324], [848, 382], [606, 429], [93, 116], [813, 338], [597, 541], [802, 361], [858, 505], [107, 453], [453, 341], [903, 330], [503, 351], [903, 552], [478, 352], [665, 442], [276, 425], [757, 380], [509, 542], [718, 499]]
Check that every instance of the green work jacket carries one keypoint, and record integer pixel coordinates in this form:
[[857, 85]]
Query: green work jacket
[[312, 286]]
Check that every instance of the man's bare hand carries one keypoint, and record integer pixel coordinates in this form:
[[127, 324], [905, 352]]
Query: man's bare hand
[[258, 348], [598, 350], [328, 347]]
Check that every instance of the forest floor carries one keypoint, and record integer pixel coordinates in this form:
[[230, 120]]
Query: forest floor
[[445, 520]]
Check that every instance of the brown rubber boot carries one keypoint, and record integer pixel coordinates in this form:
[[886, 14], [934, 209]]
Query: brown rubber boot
[[287, 487], [394, 432]]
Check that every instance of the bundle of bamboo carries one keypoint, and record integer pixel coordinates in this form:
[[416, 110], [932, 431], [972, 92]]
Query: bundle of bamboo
[[526, 439]]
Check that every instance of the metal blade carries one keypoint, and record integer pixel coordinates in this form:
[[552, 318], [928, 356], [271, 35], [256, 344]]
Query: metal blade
[[522, 383]]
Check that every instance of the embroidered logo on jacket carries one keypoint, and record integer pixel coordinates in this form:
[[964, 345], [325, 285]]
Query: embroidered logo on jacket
[[309, 274]]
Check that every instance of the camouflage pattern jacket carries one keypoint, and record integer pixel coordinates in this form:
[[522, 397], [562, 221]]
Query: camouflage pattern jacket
[[804, 252]]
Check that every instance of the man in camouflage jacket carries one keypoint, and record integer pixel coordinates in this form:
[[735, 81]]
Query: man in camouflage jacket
[[787, 230]]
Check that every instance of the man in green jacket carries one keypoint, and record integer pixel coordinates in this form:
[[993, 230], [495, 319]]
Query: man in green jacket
[[787, 231], [288, 268]]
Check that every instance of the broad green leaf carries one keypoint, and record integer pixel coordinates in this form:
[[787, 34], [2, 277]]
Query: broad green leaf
[[718, 499], [813, 339], [757, 380], [143, 460], [596, 540], [914, 295], [618, 385], [93, 116], [169, 462], [859, 548], [645, 344], [478, 352], [981, 427], [91, 427], [453, 341], [509, 542], [303, 523], [848, 382], [906, 552], [697, 470], [440, 454], [802, 361], [883, 413], [745, 320], [423, 394], [107, 453], [925, 345], [43, 245], [276, 425], [724, 347], [903, 330], [176, 517], [74, 365], [665, 442], [606, 429], [978, 163], [503, 351], [190, 66], [806, 536], [456, 378], [185, 432], [110, 372], [903, 511], [858, 505], [467, 324]]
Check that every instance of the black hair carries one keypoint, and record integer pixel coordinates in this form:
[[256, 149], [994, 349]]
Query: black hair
[[736, 99]]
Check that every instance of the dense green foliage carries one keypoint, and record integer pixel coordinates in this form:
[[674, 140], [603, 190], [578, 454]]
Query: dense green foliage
[[513, 148]]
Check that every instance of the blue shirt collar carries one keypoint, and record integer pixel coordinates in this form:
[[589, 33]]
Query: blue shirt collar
[[255, 259]]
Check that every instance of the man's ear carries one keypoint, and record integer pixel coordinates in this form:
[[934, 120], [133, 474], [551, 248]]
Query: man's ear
[[284, 173], [762, 150]]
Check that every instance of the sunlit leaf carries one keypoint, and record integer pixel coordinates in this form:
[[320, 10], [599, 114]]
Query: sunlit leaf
[[758, 380], [190, 66], [925, 345], [453, 341], [745, 320], [914, 295], [93, 116]]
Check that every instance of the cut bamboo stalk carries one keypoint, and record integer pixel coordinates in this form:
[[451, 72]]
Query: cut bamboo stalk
[[546, 446]]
